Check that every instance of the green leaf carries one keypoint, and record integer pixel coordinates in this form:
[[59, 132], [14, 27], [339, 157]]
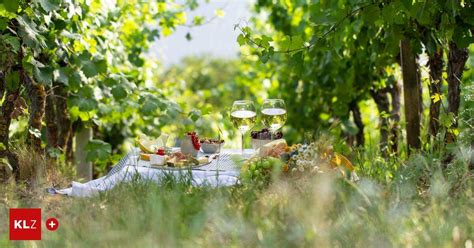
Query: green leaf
[[420, 11], [149, 107], [446, 119], [195, 115], [407, 3], [74, 80], [371, 14], [291, 43], [3, 23], [349, 127], [11, 5], [241, 39], [101, 65], [29, 33], [467, 16], [12, 80], [462, 37], [188, 36], [84, 104], [13, 42], [60, 75], [135, 59], [149, 104], [84, 100], [91, 66], [97, 150], [89, 70], [198, 20], [247, 30], [263, 42], [43, 75], [50, 5], [266, 55], [119, 92]]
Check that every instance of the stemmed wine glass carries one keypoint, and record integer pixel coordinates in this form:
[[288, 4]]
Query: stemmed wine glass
[[273, 114], [243, 117]]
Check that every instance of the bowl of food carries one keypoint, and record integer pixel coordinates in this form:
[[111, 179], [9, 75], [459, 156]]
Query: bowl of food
[[263, 137], [211, 145]]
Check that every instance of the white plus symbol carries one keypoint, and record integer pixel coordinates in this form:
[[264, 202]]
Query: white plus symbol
[[51, 224]]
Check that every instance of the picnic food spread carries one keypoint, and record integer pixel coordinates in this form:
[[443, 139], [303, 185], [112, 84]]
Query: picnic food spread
[[157, 154], [271, 151], [297, 159], [275, 155]]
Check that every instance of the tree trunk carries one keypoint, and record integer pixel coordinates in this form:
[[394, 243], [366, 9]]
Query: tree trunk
[[394, 92], [8, 107], [457, 58], [50, 117], [435, 63], [411, 92], [37, 96], [62, 116], [70, 143], [381, 99], [358, 121]]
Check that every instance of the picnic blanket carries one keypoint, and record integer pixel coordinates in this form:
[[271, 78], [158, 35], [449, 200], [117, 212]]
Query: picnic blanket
[[222, 171]]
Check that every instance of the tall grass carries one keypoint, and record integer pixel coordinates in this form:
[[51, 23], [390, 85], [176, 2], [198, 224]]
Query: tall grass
[[413, 203]]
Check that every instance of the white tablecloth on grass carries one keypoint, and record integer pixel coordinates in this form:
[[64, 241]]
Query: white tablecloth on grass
[[206, 175]]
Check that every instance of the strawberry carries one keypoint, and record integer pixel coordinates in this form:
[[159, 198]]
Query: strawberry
[[195, 140], [160, 151]]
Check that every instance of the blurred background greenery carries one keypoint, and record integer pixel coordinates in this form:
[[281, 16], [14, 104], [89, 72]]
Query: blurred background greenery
[[328, 60]]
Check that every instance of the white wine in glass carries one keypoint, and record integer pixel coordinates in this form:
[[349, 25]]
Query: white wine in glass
[[243, 117], [273, 114]]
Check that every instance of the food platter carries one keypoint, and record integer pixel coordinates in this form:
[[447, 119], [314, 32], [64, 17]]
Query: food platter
[[154, 153], [184, 167]]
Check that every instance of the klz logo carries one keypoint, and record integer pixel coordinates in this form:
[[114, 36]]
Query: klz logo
[[25, 224]]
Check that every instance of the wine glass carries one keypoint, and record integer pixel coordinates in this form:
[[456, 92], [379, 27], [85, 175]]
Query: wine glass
[[243, 117], [273, 114]]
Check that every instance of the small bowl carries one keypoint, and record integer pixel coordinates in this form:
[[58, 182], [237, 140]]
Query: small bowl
[[257, 143], [211, 147]]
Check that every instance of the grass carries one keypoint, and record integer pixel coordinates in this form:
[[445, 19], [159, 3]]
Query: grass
[[410, 203]]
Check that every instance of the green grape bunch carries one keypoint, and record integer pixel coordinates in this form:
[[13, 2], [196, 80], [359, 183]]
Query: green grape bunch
[[260, 170]]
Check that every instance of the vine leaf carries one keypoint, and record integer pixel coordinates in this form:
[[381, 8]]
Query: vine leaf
[[241, 39], [43, 75], [98, 150], [119, 92], [10, 5], [195, 115], [50, 5], [12, 80], [12, 41]]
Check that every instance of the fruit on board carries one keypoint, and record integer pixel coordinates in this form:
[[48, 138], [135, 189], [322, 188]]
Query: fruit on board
[[145, 145], [148, 145], [161, 151], [145, 156]]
